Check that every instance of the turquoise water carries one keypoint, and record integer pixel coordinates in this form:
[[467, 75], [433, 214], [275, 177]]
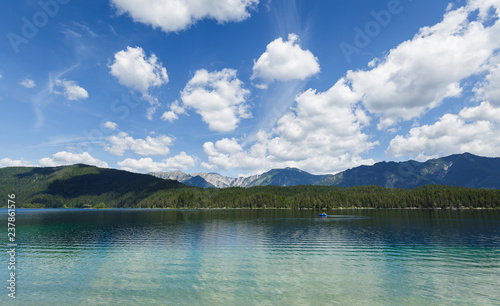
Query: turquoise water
[[255, 257]]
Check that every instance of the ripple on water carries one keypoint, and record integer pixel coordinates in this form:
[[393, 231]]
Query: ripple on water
[[269, 258]]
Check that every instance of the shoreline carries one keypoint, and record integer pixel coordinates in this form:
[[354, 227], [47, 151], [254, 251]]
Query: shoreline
[[262, 208]]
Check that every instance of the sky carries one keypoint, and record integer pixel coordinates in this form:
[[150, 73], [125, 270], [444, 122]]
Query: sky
[[239, 87]]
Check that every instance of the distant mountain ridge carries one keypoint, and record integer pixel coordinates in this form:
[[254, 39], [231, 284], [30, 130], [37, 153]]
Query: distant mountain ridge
[[279, 177], [464, 170], [84, 186], [207, 180]]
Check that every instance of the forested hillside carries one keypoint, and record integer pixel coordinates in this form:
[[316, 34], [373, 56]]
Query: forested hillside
[[79, 186], [87, 186]]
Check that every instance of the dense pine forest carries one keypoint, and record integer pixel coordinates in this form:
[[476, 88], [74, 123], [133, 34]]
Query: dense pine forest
[[320, 197], [82, 186]]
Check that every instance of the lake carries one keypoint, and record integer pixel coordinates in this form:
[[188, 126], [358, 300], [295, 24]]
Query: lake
[[254, 257]]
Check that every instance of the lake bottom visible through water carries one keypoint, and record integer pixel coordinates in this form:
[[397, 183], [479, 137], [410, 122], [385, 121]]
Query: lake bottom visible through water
[[255, 257]]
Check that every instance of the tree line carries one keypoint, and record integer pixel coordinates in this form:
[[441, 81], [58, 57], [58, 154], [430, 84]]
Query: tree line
[[297, 197], [83, 186]]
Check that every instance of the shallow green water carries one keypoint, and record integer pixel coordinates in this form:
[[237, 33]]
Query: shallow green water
[[255, 257]]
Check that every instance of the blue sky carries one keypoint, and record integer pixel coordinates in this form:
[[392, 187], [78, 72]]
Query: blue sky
[[240, 87]]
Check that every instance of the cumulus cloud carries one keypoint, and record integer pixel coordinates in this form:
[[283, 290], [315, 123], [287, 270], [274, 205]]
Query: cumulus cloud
[[177, 15], [451, 134], [321, 134], [139, 165], [489, 89], [71, 90], [219, 97], [111, 125], [225, 146], [181, 161], [136, 71], [420, 73], [118, 144], [285, 61], [67, 158], [175, 110], [170, 116], [483, 112], [7, 162], [28, 83]]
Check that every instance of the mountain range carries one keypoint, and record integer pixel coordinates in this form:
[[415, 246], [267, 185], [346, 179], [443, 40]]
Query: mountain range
[[84, 186], [464, 170]]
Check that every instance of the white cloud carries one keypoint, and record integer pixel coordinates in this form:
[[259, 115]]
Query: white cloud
[[451, 134], [7, 162], [111, 125], [175, 110], [28, 83], [419, 73], [261, 86], [321, 134], [170, 116], [177, 15], [71, 90], [285, 61], [489, 89], [228, 146], [135, 70], [219, 97], [154, 104], [86, 29], [122, 142], [483, 112], [140, 165], [181, 161], [68, 33], [218, 158], [473, 45], [67, 158]]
